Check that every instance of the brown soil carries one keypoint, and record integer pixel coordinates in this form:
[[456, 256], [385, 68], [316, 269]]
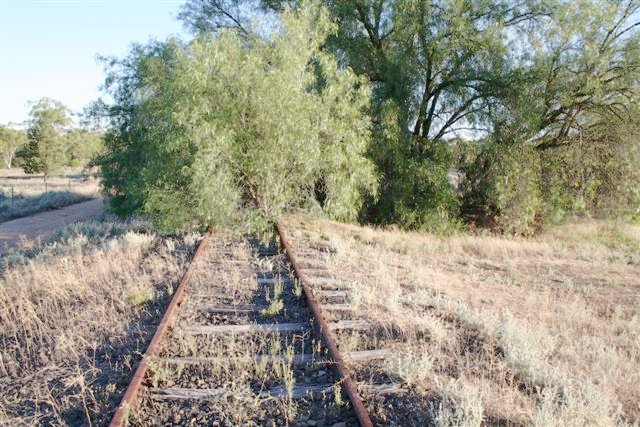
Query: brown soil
[[22, 232]]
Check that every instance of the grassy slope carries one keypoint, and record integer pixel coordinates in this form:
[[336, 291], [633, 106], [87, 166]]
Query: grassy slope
[[75, 315], [528, 331]]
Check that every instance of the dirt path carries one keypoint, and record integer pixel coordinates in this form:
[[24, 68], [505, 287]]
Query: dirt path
[[18, 232]]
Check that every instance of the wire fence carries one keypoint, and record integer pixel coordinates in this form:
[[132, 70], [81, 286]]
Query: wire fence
[[18, 188]]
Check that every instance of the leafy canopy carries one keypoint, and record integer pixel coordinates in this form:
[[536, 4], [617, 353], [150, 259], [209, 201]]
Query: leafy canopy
[[82, 146], [233, 129], [11, 140], [437, 68], [45, 151], [546, 90]]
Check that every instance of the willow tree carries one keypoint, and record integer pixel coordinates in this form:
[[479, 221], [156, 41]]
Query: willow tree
[[233, 129], [576, 111], [437, 69], [558, 79]]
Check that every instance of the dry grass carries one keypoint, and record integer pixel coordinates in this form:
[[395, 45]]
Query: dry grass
[[73, 179], [22, 195], [542, 331], [75, 315], [227, 273]]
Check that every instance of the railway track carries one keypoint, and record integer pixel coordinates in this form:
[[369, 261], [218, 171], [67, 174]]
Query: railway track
[[249, 338]]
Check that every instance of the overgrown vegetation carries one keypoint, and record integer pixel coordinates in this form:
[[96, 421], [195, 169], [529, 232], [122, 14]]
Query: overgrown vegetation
[[493, 330], [415, 113], [544, 94], [75, 314], [232, 129]]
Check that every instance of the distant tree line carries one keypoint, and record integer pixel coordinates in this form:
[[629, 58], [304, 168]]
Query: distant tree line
[[49, 141], [533, 106]]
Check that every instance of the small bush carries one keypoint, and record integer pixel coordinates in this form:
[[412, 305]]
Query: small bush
[[588, 403], [525, 351], [461, 405], [410, 368], [433, 327], [274, 309], [140, 297]]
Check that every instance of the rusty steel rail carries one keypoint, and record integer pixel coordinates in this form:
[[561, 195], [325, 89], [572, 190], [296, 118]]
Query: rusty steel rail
[[322, 329], [131, 393]]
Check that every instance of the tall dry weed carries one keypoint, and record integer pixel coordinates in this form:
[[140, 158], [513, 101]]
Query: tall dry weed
[[542, 330], [70, 333]]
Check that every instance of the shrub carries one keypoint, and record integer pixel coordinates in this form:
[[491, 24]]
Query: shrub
[[416, 192], [461, 405], [232, 131], [139, 297], [526, 351], [410, 368], [516, 188], [596, 175], [504, 180]]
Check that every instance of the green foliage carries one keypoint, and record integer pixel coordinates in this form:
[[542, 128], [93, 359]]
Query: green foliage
[[79, 146], [82, 146], [576, 101], [598, 175], [11, 140], [435, 67], [516, 187], [419, 194], [578, 104], [442, 65], [202, 16], [502, 179], [230, 130], [140, 297], [586, 70], [416, 192], [273, 310], [547, 89], [45, 151]]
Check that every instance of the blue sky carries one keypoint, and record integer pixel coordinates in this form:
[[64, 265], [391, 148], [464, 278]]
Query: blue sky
[[49, 48]]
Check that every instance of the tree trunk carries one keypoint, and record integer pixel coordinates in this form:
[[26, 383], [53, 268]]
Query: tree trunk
[[8, 159]]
